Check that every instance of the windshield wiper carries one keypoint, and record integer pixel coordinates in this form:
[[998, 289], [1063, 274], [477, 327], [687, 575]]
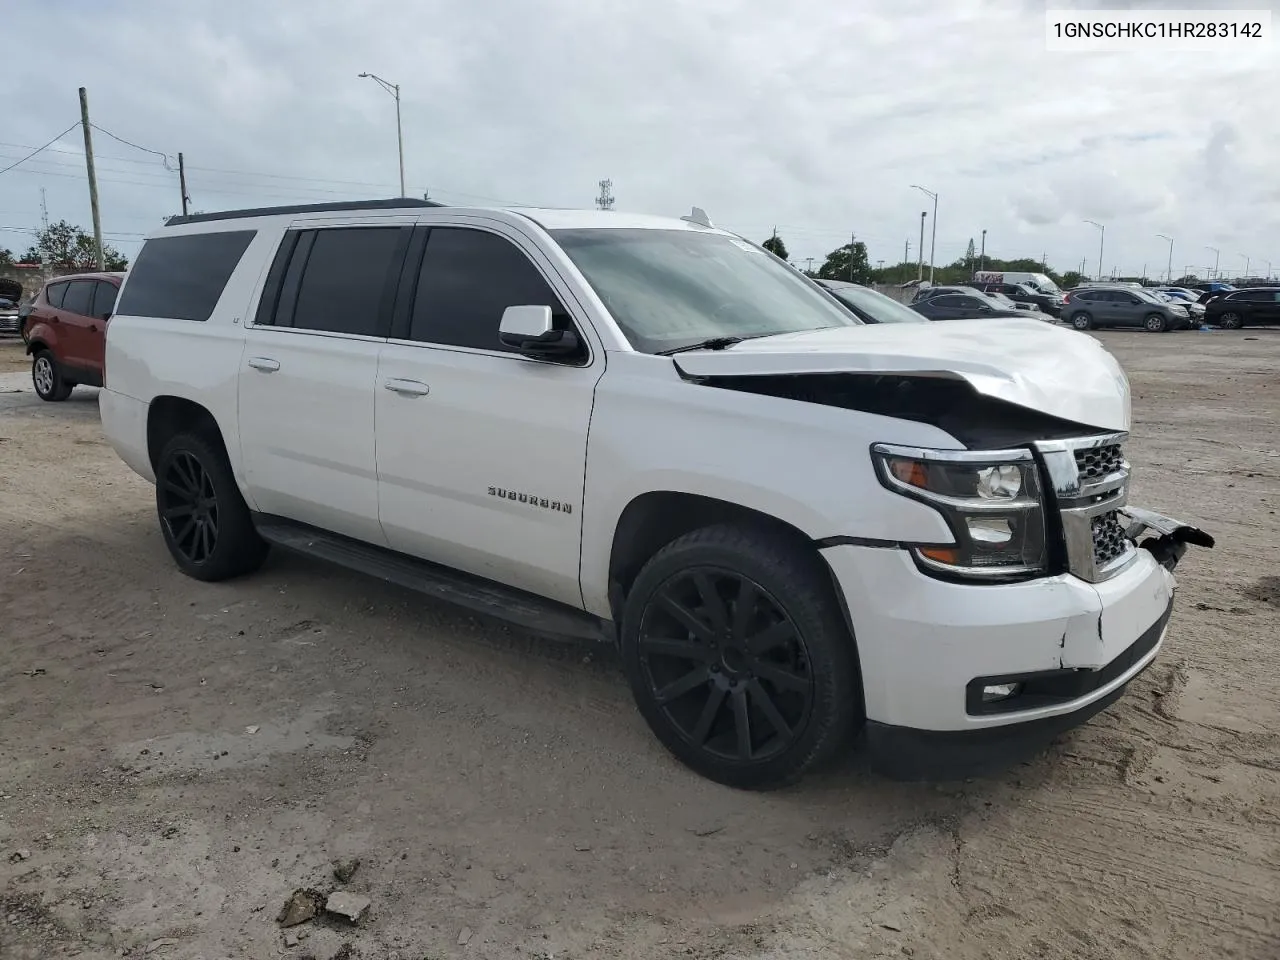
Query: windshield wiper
[[713, 343]]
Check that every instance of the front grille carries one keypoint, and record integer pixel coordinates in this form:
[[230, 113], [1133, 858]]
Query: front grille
[[1097, 463], [1108, 538], [9, 323]]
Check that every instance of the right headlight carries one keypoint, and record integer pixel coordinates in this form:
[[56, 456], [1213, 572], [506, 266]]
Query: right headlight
[[991, 501]]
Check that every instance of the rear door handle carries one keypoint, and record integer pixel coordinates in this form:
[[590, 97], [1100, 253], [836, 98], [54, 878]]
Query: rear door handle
[[407, 388], [265, 364]]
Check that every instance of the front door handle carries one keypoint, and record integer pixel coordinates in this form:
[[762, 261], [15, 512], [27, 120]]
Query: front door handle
[[407, 388], [265, 364]]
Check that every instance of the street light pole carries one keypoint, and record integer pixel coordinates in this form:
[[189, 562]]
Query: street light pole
[[983, 255], [394, 90], [920, 252], [933, 241], [1170, 239], [1247, 263], [1216, 254], [1101, 241]]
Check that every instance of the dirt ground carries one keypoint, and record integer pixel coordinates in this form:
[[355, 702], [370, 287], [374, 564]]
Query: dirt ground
[[176, 758]]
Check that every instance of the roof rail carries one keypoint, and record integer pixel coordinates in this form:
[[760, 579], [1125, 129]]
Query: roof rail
[[390, 204]]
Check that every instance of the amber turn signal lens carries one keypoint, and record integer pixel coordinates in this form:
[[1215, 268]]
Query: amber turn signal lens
[[949, 555], [910, 471]]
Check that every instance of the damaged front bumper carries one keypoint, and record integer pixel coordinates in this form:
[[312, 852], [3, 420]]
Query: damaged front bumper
[[932, 652], [1171, 537]]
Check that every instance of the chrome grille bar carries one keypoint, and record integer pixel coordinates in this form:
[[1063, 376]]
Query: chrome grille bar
[[1090, 479]]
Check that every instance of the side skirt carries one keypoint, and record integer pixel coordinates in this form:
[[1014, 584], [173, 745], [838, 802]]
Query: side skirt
[[526, 610]]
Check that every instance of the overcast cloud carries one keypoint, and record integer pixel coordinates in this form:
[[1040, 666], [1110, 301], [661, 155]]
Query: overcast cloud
[[814, 117]]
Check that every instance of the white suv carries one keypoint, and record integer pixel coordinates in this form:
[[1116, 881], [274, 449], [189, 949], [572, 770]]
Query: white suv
[[648, 431]]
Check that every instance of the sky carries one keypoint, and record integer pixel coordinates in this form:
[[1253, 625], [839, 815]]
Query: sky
[[814, 118]]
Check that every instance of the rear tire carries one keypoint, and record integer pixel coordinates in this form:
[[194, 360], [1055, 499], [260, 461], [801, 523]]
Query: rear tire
[[47, 378], [1082, 321], [1155, 323], [739, 658], [204, 520], [1231, 321]]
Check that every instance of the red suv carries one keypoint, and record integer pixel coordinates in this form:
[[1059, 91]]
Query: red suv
[[65, 328]]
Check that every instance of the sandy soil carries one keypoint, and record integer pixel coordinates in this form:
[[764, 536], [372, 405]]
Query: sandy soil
[[177, 758]]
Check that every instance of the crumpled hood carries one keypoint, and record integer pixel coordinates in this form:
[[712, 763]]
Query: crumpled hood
[[1025, 361]]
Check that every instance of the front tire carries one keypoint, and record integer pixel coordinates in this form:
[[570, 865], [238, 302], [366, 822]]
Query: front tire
[[1155, 323], [739, 658], [204, 520], [47, 378], [1231, 321], [1082, 321]]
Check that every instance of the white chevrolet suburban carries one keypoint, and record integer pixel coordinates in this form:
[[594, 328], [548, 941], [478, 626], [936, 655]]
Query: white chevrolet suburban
[[797, 527]]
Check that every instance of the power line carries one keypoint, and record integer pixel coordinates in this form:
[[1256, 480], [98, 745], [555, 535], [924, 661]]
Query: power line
[[38, 149], [128, 143]]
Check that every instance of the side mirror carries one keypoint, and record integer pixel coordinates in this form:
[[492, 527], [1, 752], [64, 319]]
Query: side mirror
[[529, 329]]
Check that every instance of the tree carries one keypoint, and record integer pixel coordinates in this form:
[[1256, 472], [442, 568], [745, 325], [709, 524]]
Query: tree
[[6, 256], [64, 245], [969, 254], [847, 263], [1072, 278], [775, 246]]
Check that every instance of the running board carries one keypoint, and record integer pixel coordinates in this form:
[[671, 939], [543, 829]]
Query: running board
[[533, 613]]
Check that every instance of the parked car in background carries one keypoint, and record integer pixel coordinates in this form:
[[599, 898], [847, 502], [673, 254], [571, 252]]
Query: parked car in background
[[1050, 303], [1036, 281], [1194, 308], [1240, 308], [66, 330], [870, 306], [1004, 301], [1087, 308], [10, 325], [969, 305]]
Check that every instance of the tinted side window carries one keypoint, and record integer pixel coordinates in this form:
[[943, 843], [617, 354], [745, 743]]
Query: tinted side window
[[181, 278], [949, 300], [55, 293], [79, 298], [104, 300], [345, 278], [468, 279]]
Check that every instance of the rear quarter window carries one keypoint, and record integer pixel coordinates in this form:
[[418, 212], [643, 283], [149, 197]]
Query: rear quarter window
[[181, 278]]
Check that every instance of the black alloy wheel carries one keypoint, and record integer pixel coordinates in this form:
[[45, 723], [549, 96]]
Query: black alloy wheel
[[1231, 321], [205, 521], [189, 508], [726, 665]]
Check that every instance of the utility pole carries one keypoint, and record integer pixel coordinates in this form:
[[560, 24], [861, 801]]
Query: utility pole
[[93, 180], [983, 255], [906, 252], [182, 183], [1247, 263], [853, 240], [1044, 262], [1216, 254], [809, 269], [44, 210], [605, 200], [920, 267], [1170, 239], [1187, 268], [1082, 266]]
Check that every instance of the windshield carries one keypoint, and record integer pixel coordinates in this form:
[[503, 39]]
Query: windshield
[[877, 306], [1043, 284], [1152, 298], [672, 288]]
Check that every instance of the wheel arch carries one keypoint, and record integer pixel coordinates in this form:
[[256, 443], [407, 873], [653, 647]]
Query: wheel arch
[[652, 520]]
